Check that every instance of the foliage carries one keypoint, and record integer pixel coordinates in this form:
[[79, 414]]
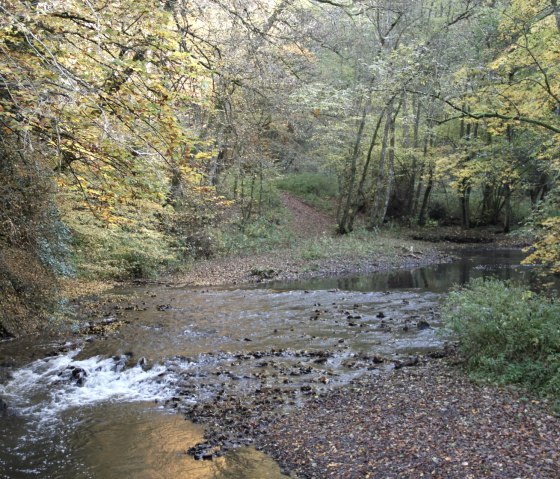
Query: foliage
[[545, 223], [138, 248], [162, 124], [507, 334], [32, 245], [259, 236]]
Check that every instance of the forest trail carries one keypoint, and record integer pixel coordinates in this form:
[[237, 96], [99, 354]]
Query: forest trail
[[306, 222]]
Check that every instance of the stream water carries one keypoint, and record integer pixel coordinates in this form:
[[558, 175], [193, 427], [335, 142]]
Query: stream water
[[96, 409]]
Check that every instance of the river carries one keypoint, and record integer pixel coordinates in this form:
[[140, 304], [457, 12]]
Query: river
[[102, 407]]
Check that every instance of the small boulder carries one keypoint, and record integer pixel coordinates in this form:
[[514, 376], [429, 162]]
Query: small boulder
[[423, 324]]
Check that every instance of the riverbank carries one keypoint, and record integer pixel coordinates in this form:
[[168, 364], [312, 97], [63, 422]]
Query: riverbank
[[423, 421], [320, 257], [358, 253], [422, 418], [274, 381]]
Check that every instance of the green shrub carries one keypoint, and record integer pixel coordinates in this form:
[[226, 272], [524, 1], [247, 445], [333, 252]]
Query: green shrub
[[507, 334]]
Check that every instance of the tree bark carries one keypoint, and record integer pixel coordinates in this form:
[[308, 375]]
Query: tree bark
[[507, 208], [426, 197], [391, 172]]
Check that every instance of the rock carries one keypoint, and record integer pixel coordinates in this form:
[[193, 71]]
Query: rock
[[423, 324], [381, 314], [413, 361], [3, 407], [79, 375]]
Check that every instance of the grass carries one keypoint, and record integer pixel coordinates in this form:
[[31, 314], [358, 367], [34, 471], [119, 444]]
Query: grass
[[359, 243], [507, 334], [316, 189]]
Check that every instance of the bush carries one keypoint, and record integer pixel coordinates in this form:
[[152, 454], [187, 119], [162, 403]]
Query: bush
[[115, 253], [507, 334], [259, 236]]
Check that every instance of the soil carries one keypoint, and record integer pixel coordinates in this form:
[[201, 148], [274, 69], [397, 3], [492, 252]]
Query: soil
[[306, 221]]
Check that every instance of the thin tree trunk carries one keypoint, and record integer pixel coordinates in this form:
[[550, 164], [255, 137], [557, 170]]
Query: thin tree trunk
[[342, 227], [507, 209], [426, 198], [391, 172], [465, 205], [556, 10], [381, 172], [412, 200], [360, 189]]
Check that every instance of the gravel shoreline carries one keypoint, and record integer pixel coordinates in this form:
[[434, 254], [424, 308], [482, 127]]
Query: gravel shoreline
[[282, 266], [427, 420]]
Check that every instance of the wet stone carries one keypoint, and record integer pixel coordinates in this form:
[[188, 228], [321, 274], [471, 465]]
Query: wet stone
[[423, 324]]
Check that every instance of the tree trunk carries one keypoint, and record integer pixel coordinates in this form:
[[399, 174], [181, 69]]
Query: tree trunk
[[360, 189], [507, 208], [411, 199], [391, 172], [465, 205], [384, 182], [381, 172], [343, 223], [425, 199], [556, 11]]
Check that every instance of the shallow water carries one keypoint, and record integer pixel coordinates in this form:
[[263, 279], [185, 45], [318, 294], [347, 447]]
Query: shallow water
[[95, 410]]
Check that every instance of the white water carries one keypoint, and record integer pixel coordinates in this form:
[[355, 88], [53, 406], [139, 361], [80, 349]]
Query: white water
[[47, 387]]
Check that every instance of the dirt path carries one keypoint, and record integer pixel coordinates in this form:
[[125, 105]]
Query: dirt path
[[307, 222]]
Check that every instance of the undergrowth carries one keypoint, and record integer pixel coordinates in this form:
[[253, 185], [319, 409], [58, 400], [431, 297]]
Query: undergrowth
[[507, 334], [260, 235]]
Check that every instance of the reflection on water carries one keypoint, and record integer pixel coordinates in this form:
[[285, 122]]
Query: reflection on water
[[147, 444], [120, 441], [502, 264]]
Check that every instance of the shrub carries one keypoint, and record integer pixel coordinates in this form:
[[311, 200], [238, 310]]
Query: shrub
[[507, 334], [259, 236]]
